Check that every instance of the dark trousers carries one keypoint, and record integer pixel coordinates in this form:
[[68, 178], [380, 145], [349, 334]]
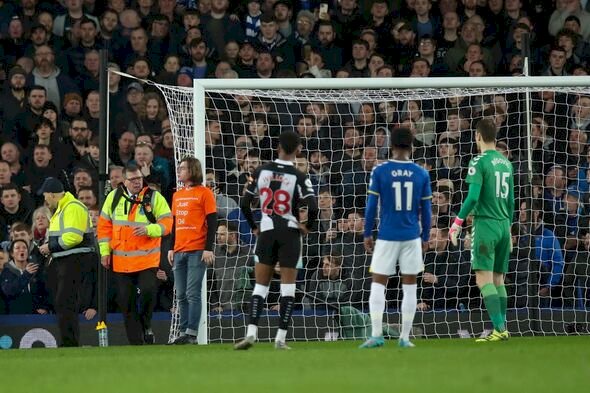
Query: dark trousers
[[68, 281], [137, 308]]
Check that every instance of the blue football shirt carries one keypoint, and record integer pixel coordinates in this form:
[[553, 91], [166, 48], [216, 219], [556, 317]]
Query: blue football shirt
[[404, 194]]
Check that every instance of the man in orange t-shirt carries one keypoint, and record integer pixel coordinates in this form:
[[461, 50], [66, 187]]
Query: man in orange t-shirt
[[195, 225]]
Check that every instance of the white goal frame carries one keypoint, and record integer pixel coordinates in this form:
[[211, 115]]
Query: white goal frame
[[201, 86]]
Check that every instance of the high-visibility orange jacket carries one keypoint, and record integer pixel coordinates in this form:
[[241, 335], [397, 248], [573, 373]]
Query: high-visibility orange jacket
[[131, 253]]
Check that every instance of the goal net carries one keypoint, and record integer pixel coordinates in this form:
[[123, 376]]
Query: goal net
[[345, 133]]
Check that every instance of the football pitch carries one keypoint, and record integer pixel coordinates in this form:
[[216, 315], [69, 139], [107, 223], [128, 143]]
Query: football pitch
[[540, 364]]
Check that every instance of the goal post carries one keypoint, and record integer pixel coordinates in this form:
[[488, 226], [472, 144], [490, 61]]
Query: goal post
[[283, 103], [199, 149]]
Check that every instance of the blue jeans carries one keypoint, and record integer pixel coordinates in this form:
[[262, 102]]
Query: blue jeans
[[189, 271]]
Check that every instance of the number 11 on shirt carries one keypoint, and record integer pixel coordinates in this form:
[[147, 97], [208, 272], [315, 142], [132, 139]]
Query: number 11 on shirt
[[402, 190]]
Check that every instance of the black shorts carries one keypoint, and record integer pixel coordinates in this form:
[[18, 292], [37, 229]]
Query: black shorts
[[279, 246]]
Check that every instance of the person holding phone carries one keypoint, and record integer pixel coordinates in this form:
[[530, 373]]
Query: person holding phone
[[324, 13], [20, 283]]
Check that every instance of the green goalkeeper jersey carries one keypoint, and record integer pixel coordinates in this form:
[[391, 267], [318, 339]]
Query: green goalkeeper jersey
[[494, 173]]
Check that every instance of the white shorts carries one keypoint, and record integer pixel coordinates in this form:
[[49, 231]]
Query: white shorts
[[387, 253]]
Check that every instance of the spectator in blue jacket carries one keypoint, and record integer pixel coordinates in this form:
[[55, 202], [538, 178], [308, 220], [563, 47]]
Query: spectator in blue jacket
[[547, 251]]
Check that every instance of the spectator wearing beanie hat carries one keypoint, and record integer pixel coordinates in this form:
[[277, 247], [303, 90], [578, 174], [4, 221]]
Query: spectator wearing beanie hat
[[61, 127], [13, 99]]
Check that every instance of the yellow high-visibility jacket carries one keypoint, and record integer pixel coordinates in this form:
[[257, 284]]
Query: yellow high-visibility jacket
[[70, 228]]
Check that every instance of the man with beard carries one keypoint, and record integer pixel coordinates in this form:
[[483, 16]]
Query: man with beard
[[47, 74], [39, 36], [76, 146], [237, 181], [319, 169], [330, 51], [12, 101], [25, 122], [198, 64]]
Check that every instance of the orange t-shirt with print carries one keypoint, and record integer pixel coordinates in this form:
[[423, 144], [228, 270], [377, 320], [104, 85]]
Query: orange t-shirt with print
[[190, 207]]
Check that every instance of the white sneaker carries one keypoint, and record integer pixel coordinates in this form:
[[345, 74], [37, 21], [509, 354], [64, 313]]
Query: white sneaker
[[405, 343], [246, 343], [281, 345]]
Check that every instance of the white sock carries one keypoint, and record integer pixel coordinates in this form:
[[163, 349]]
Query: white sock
[[260, 290], [376, 308], [409, 303], [288, 290], [281, 335], [252, 331]]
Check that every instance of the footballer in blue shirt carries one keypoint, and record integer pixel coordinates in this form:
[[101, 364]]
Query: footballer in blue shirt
[[401, 188]]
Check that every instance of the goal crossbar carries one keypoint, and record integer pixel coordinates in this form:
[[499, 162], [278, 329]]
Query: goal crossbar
[[395, 83]]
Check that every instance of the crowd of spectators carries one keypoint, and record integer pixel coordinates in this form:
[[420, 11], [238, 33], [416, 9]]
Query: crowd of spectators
[[50, 106]]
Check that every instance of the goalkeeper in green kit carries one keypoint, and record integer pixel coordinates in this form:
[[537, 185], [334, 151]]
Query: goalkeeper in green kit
[[491, 198]]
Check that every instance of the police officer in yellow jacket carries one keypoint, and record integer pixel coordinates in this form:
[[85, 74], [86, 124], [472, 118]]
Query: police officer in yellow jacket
[[71, 240]]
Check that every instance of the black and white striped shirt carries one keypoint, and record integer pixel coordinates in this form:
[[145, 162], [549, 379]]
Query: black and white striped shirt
[[281, 189]]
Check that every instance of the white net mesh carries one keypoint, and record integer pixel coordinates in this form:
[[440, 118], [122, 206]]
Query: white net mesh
[[345, 133]]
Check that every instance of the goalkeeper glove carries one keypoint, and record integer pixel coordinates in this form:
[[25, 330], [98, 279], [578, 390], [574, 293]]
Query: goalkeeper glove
[[455, 230]]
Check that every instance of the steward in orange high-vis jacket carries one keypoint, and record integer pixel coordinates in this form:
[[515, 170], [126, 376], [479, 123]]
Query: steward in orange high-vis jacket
[[130, 227]]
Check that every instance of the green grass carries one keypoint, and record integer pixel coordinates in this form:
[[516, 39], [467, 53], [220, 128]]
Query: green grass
[[548, 364]]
